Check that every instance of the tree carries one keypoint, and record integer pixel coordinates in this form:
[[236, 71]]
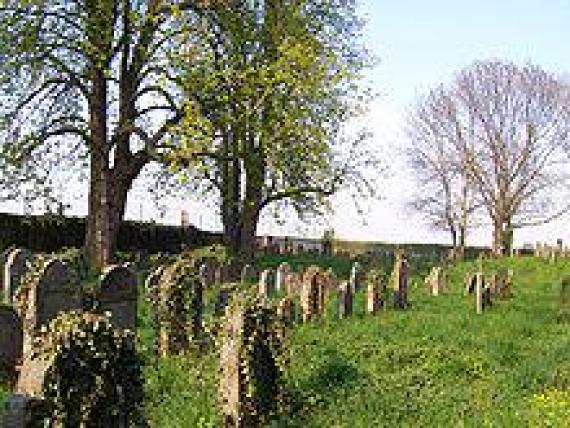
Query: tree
[[277, 83], [445, 194], [508, 125], [94, 80]]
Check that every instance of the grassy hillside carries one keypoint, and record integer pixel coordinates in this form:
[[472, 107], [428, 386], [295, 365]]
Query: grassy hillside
[[438, 364]]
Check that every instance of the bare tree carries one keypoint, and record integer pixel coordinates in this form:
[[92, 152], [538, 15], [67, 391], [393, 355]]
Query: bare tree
[[508, 125], [444, 194]]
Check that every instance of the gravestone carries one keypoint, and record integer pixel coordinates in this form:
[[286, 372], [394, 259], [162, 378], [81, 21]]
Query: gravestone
[[355, 280], [479, 293], [469, 282], [222, 300], [282, 271], [293, 283], [266, 281], [436, 281], [286, 311], [17, 263], [310, 296], [344, 300], [11, 345], [118, 295], [53, 289], [372, 298], [248, 273], [400, 277]]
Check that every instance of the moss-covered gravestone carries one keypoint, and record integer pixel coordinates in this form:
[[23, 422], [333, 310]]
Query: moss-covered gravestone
[[180, 306], [344, 300], [85, 372], [251, 363]]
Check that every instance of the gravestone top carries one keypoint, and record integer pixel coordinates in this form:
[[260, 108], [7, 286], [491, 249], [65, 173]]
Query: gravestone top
[[118, 283]]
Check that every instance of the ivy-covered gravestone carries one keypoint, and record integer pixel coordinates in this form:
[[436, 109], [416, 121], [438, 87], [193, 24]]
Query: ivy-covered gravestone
[[85, 372], [180, 306], [251, 364]]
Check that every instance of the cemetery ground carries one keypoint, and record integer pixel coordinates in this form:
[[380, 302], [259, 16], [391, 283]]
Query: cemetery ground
[[436, 364]]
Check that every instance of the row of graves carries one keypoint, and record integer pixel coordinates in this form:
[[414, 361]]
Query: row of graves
[[253, 313], [551, 253], [35, 290], [497, 284]]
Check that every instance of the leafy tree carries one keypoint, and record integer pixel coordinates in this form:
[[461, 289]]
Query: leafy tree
[[272, 88], [91, 81]]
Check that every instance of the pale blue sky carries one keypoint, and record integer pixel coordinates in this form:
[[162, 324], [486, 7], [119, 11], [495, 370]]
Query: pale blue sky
[[421, 44]]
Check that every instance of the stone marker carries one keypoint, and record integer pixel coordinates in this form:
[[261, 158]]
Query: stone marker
[[344, 300], [400, 276], [479, 292], [55, 290], [436, 281], [265, 288], [18, 262], [355, 280], [11, 337], [293, 283], [286, 311], [248, 273], [372, 298], [310, 298], [118, 295], [282, 271]]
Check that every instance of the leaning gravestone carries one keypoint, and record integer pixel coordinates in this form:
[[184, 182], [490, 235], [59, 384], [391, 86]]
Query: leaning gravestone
[[118, 295], [10, 341], [344, 300], [17, 263]]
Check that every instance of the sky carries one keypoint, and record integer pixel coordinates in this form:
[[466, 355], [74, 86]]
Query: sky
[[419, 44]]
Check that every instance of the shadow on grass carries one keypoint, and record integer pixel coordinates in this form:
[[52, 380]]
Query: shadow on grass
[[332, 375]]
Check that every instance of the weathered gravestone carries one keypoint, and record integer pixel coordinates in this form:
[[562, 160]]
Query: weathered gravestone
[[286, 311], [49, 288], [400, 278], [436, 281], [152, 288], [118, 295], [11, 337], [373, 300], [18, 262], [251, 374], [356, 277], [280, 274], [293, 283], [248, 273], [207, 272], [266, 282], [344, 300], [310, 295], [180, 308]]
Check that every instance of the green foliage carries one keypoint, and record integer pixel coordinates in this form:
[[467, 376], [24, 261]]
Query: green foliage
[[94, 378]]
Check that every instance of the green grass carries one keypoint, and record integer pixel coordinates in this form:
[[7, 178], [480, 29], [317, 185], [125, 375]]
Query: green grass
[[438, 364]]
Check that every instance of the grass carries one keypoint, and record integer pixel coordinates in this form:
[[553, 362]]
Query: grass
[[438, 364]]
